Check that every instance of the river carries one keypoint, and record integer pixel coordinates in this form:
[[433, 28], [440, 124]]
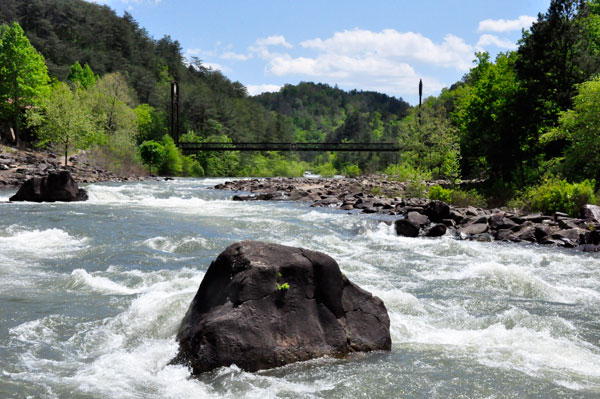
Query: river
[[91, 296]]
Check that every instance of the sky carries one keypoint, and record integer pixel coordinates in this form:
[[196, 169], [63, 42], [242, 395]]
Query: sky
[[380, 45]]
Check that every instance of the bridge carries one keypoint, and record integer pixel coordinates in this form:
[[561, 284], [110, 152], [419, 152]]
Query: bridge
[[190, 148]]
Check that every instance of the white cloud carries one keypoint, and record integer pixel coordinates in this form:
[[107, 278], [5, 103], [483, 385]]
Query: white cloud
[[196, 52], [230, 55], [503, 25], [216, 67], [254, 90], [453, 52], [381, 61], [493, 40], [273, 41], [126, 2], [366, 73], [261, 46]]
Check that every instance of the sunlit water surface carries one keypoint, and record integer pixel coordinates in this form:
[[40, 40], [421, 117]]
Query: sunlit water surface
[[91, 296]]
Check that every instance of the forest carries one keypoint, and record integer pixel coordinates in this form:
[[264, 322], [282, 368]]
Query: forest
[[525, 127]]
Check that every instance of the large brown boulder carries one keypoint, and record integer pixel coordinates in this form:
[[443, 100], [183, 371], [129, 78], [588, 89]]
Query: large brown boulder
[[264, 305], [54, 187]]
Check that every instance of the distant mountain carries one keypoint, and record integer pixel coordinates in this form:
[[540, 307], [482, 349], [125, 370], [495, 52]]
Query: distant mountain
[[66, 31], [318, 107]]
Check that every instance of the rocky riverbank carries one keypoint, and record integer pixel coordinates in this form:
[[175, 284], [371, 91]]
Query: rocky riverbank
[[422, 217], [18, 166]]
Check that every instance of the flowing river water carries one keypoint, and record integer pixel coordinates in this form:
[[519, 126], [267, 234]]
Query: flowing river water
[[91, 296]]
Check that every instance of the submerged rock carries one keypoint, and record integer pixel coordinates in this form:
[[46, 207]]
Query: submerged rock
[[51, 188], [264, 305], [407, 228]]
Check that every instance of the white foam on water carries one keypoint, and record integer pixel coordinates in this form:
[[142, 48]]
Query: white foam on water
[[175, 245], [129, 352], [510, 279], [82, 280], [431, 287], [535, 352], [190, 204], [20, 242], [6, 194], [139, 372]]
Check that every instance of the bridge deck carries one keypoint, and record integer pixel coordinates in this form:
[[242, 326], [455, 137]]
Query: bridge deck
[[188, 148]]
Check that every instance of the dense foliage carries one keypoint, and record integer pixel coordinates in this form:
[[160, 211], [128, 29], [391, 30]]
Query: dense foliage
[[526, 122], [23, 76], [558, 195], [321, 113]]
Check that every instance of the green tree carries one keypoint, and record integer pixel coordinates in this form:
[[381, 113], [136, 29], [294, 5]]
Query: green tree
[[430, 141], [225, 163], [560, 51], [151, 123], [172, 164], [23, 75], [82, 75], [152, 153], [64, 119], [493, 141], [117, 121], [580, 128]]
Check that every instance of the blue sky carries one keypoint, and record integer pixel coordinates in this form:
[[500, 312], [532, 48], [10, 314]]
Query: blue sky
[[380, 45]]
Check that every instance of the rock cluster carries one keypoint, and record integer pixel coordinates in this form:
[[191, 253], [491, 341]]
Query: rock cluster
[[264, 305], [18, 166], [54, 187], [500, 225], [420, 217]]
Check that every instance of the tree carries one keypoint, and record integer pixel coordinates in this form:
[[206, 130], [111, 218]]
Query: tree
[[430, 141], [580, 128], [493, 141], [82, 75], [152, 153], [65, 118], [172, 164], [559, 52], [151, 123], [23, 75], [117, 121]]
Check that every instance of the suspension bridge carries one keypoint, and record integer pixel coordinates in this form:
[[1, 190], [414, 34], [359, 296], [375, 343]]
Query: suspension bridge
[[191, 148]]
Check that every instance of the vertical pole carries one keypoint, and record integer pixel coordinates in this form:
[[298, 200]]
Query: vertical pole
[[172, 127], [175, 111], [420, 98]]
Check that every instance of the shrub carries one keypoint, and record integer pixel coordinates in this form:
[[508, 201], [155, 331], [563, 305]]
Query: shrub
[[416, 189], [151, 153], [457, 197], [283, 287], [284, 168], [351, 171], [467, 198], [377, 191], [556, 195], [437, 192], [325, 170], [191, 167], [172, 164], [405, 172]]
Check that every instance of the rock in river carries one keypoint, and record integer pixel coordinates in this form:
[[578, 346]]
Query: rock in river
[[51, 188], [263, 305]]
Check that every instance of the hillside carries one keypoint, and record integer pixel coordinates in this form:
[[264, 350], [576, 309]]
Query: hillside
[[318, 109], [66, 31]]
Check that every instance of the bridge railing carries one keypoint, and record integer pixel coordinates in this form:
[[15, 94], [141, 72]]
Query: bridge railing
[[347, 147]]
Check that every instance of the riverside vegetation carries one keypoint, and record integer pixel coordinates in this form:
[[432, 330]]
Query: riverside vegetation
[[75, 76]]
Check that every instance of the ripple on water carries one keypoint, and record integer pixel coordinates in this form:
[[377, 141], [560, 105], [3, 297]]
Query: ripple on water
[[467, 319]]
